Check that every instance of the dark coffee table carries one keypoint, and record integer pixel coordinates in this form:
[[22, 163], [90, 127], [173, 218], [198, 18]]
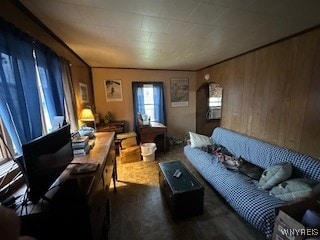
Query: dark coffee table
[[183, 194]]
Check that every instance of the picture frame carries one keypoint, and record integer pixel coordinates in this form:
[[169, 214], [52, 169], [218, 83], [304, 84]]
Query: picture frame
[[84, 96], [179, 92], [113, 90]]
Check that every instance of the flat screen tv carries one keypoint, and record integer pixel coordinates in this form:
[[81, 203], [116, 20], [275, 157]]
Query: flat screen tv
[[44, 159]]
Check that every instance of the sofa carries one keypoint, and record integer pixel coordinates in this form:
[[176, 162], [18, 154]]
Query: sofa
[[242, 193]]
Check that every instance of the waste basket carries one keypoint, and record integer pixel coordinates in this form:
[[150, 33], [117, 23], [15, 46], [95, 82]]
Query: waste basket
[[148, 151]]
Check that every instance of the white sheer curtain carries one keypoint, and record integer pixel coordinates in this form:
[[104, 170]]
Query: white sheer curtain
[[70, 101]]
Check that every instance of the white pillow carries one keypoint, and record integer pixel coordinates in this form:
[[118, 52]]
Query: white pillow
[[274, 175], [294, 189], [198, 140]]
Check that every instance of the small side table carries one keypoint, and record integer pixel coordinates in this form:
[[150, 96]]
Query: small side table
[[150, 133]]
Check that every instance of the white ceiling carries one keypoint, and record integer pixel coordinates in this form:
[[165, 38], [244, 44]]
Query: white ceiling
[[171, 34]]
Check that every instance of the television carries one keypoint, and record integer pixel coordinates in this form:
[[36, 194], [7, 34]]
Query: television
[[44, 159]]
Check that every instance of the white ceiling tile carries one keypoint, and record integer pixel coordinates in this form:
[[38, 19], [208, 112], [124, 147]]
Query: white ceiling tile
[[80, 33], [154, 24], [182, 42], [269, 7], [103, 17], [147, 46], [171, 34], [179, 27], [281, 28], [162, 47], [77, 2], [289, 9], [223, 33], [239, 4], [144, 7], [178, 9], [241, 19], [206, 13], [298, 10], [125, 34], [201, 31], [160, 37], [81, 30], [55, 10], [147, 7]]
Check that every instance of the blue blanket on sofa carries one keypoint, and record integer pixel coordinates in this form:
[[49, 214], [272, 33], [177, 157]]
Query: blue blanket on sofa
[[241, 192]]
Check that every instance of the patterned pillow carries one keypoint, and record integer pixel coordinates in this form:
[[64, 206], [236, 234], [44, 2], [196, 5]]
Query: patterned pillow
[[274, 175], [294, 189], [199, 141]]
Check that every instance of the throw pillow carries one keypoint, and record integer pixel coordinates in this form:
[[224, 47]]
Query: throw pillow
[[294, 189], [274, 175], [198, 140], [249, 169]]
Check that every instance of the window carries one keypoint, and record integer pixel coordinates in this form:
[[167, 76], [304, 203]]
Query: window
[[6, 145], [46, 122], [31, 94], [148, 100], [10, 174], [215, 95], [5, 141], [214, 101]]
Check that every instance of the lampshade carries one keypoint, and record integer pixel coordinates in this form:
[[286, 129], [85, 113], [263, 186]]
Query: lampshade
[[86, 115]]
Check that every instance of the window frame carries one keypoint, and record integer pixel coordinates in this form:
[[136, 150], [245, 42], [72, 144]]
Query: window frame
[[214, 102], [10, 174], [5, 141], [147, 105], [159, 102]]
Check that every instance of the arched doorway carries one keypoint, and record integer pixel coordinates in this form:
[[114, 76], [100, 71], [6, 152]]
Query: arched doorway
[[209, 107]]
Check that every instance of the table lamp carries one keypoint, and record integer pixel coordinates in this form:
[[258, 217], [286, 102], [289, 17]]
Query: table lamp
[[87, 116]]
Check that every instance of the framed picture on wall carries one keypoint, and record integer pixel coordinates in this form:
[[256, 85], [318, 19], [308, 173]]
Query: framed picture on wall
[[84, 96], [179, 92], [113, 89]]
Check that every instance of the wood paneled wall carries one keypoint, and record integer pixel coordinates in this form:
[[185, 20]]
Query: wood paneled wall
[[273, 93]]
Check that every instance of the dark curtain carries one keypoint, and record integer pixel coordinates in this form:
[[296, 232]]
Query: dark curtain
[[49, 68], [159, 103], [138, 101], [19, 102]]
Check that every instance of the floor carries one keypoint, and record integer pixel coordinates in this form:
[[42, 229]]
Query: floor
[[139, 211]]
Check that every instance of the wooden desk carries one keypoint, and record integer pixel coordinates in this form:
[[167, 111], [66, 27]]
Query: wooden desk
[[116, 126], [149, 133], [77, 206]]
